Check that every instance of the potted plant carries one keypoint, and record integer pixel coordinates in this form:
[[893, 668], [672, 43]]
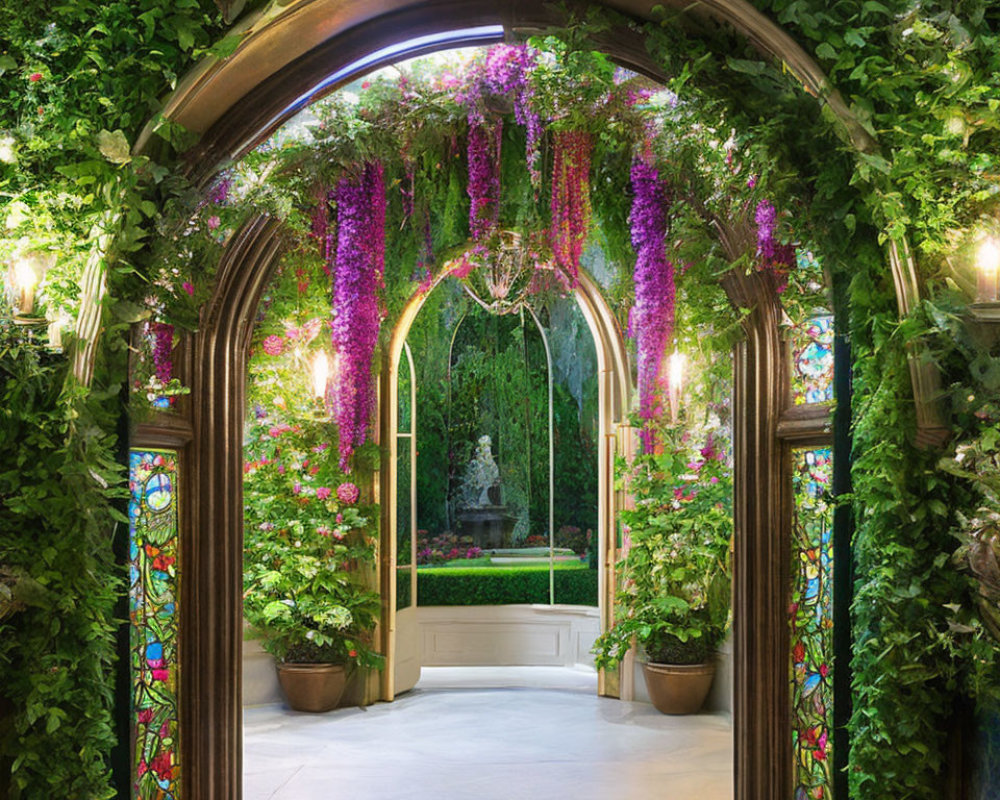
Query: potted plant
[[308, 547], [674, 596]]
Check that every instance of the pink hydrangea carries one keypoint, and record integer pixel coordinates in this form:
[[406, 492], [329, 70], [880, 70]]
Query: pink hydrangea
[[273, 345], [348, 493], [323, 492]]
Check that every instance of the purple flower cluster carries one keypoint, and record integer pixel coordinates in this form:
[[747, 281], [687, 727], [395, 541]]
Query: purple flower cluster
[[766, 217], [484, 178], [506, 71], [570, 200], [219, 193], [774, 257], [163, 343], [357, 274], [652, 318]]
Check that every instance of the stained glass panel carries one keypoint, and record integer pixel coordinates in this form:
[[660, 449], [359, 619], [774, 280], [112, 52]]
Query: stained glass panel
[[811, 613], [812, 360], [153, 613]]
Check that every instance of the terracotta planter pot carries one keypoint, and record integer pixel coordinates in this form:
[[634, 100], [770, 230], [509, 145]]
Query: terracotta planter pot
[[678, 688], [312, 687]]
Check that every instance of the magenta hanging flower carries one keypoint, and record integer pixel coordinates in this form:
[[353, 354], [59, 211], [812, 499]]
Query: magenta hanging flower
[[163, 344], [570, 200], [348, 493], [273, 345], [357, 274], [484, 178], [652, 317]]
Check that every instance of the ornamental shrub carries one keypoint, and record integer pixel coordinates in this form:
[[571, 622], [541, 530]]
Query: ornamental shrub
[[497, 586]]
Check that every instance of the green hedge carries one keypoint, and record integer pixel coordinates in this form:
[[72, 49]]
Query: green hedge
[[495, 586]]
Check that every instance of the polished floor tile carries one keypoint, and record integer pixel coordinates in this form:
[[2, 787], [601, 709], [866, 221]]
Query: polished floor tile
[[510, 733]]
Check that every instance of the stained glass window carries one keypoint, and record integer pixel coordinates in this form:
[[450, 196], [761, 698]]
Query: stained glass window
[[812, 360], [811, 613], [153, 614]]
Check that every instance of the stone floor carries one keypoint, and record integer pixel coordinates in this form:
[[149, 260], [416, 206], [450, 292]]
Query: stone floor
[[506, 733]]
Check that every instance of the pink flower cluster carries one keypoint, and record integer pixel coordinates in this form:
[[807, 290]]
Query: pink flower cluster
[[357, 275], [570, 200], [273, 345], [652, 318], [348, 493], [163, 342]]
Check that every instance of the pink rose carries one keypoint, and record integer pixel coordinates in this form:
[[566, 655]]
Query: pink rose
[[297, 488], [348, 493], [34, 77], [213, 222], [322, 493]]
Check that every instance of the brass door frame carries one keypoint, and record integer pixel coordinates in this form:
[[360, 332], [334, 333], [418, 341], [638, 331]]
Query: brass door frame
[[614, 390]]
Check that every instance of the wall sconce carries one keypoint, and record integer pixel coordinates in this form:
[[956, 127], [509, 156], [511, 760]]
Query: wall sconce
[[320, 374], [987, 305], [676, 384], [24, 273]]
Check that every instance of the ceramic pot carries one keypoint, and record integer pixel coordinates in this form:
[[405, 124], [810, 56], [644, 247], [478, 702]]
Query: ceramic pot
[[312, 687], [678, 688]]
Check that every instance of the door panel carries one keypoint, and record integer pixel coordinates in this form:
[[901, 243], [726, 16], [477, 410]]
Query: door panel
[[406, 662]]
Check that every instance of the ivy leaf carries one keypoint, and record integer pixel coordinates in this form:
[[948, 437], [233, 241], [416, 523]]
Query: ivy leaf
[[114, 146]]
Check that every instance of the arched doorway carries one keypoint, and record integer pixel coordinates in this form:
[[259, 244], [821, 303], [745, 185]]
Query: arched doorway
[[211, 590], [614, 438]]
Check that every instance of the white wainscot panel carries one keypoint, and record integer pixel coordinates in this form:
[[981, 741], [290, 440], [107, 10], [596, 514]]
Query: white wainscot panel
[[518, 635]]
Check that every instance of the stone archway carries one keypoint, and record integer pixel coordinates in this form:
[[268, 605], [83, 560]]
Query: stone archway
[[232, 121]]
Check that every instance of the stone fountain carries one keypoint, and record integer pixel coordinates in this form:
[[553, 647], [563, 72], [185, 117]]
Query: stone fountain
[[481, 512]]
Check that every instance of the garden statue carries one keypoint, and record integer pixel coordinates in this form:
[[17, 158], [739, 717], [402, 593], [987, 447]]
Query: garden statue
[[481, 475], [480, 516]]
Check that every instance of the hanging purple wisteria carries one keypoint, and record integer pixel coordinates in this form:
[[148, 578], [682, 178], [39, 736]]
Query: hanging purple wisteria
[[484, 178], [652, 318], [357, 274], [506, 72], [570, 200]]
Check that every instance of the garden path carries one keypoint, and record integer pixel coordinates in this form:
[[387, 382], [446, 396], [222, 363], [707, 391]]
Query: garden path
[[504, 733]]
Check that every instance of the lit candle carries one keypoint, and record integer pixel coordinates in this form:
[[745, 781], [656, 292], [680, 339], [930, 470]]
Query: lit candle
[[987, 265], [24, 279], [321, 374]]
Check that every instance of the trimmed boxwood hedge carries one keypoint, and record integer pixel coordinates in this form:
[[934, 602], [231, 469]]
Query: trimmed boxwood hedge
[[495, 586]]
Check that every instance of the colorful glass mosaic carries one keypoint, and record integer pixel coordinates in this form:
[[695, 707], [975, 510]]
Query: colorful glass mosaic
[[812, 361], [811, 613], [153, 614]]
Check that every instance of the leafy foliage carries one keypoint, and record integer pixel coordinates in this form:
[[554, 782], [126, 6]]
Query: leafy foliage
[[59, 484], [475, 586]]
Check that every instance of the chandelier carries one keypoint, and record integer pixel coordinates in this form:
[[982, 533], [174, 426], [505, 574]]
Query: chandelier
[[502, 273]]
